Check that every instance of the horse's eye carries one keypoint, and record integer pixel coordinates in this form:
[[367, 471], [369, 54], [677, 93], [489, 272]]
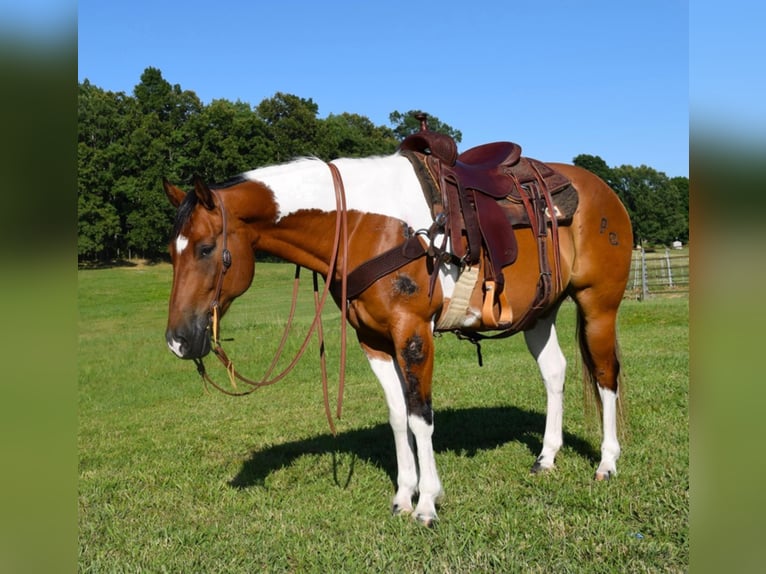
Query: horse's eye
[[205, 250]]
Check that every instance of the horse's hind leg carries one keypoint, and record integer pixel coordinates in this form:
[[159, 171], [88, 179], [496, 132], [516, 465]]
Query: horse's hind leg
[[543, 343], [597, 324]]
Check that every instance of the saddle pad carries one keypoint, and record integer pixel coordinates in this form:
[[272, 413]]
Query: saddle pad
[[456, 313]]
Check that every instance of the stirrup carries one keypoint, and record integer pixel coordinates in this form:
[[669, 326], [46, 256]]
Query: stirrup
[[503, 318]]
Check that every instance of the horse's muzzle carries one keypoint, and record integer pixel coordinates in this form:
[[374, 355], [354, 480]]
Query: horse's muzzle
[[188, 344]]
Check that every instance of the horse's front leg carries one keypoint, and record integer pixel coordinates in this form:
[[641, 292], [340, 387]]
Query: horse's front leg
[[385, 369], [406, 383], [415, 361]]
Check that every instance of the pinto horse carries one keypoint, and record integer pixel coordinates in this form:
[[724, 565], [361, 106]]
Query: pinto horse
[[291, 210]]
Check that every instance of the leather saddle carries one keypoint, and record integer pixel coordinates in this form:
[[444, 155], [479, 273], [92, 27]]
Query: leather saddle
[[481, 195]]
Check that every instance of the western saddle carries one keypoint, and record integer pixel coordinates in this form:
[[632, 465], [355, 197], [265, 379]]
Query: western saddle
[[477, 198]]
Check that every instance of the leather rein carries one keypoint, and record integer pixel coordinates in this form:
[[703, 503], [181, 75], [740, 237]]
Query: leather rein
[[340, 240]]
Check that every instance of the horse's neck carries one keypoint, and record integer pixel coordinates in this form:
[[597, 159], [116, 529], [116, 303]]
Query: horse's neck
[[300, 185], [381, 185], [306, 203]]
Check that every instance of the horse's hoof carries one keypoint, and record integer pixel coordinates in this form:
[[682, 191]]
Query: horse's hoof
[[426, 520], [538, 468], [604, 476], [397, 510]]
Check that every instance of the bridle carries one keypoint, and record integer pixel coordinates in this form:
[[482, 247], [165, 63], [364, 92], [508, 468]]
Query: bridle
[[340, 239], [225, 264]]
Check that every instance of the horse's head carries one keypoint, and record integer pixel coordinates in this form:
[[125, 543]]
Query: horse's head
[[213, 263]]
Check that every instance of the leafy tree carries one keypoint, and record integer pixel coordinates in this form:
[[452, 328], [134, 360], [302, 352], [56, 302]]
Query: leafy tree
[[105, 121], [97, 224], [653, 202], [596, 165], [293, 125], [225, 139], [406, 124], [682, 186], [352, 135]]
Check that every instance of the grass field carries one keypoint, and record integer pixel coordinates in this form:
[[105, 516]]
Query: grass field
[[173, 478]]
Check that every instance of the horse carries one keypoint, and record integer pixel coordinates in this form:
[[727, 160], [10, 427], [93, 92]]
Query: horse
[[290, 210]]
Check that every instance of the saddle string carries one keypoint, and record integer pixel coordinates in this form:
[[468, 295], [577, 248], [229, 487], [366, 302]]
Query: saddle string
[[554, 229], [340, 236], [340, 205]]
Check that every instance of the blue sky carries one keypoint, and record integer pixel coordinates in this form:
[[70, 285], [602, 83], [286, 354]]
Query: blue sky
[[561, 77], [727, 83]]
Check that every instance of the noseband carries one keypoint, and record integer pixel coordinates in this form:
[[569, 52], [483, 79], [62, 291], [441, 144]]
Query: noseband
[[340, 239]]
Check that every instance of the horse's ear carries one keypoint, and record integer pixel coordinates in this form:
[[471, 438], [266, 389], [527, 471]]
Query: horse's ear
[[175, 195], [204, 195]]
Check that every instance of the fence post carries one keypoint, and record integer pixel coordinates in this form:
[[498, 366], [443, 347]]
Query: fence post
[[670, 271], [644, 278], [636, 265]]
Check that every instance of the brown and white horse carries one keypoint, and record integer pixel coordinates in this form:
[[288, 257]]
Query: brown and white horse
[[290, 211]]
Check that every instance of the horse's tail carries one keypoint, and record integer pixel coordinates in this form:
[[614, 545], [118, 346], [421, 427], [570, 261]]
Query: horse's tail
[[591, 397]]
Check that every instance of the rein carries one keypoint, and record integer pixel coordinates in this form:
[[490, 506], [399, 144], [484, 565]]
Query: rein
[[340, 239]]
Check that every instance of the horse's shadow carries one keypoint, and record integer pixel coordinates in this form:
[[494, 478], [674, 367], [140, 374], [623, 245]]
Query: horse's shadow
[[465, 431]]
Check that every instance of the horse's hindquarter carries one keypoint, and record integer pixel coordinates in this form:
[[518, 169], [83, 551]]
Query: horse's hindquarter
[[601, 232]]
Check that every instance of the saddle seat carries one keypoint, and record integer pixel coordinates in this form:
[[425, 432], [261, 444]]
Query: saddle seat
[[490, 155]]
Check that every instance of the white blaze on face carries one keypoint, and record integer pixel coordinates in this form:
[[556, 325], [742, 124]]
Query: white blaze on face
[[181, 243]]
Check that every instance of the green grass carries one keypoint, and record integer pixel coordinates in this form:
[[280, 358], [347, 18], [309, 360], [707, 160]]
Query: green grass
[[173, 478]]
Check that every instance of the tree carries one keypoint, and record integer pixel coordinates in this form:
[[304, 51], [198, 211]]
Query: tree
[[105, 121], [596, 165], [97, 224], [155, 148], [352, 135], [682, 187], [292, 125], [406, 124], [223, 140], [653, 202]]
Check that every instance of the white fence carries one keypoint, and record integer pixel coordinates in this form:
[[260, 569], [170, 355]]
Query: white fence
[[658, 273]]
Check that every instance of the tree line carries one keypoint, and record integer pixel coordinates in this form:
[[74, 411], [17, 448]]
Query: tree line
[[127, 144]]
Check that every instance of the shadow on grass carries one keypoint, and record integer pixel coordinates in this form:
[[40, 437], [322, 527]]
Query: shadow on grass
[[464, 431]]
